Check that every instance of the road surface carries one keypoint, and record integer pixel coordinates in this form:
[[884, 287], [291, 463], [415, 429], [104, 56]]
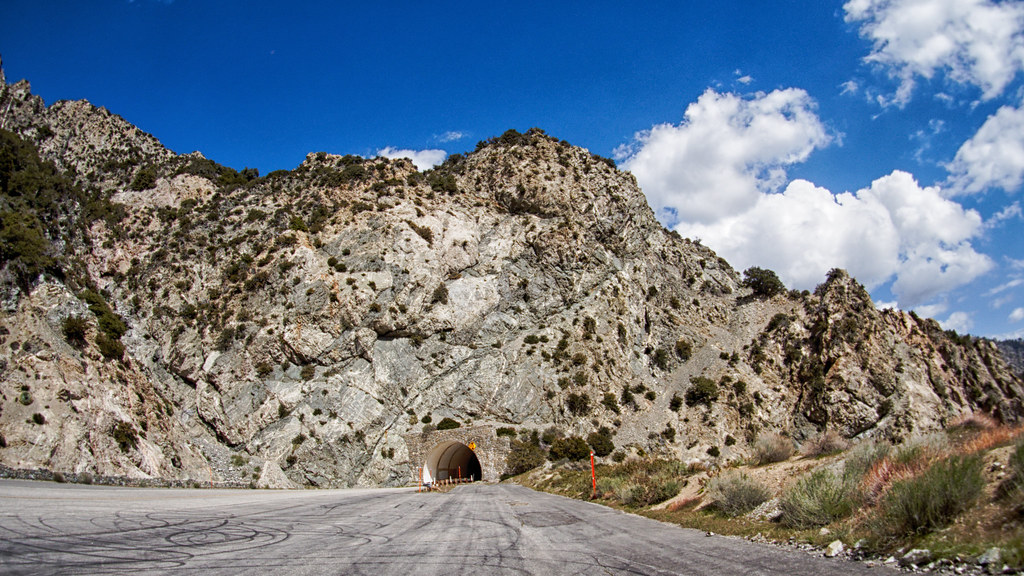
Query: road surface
[[48, 528]]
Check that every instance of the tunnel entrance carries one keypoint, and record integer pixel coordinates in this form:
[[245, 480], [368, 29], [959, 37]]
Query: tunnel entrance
[[451, 461]]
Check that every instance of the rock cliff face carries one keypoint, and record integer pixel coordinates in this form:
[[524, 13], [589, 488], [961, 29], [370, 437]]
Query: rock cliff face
[[290, 329]]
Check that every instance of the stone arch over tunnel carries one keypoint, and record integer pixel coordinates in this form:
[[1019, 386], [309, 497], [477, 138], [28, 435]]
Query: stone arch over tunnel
[[451, 460], [491, 451]]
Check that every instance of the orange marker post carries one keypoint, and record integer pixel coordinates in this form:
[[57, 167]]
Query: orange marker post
[[593, 476]]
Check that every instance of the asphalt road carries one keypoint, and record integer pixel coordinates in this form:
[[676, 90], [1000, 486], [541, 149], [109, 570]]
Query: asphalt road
[[48, 528]]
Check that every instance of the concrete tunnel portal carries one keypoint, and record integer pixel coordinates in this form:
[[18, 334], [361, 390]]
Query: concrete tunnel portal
[[451, 460]]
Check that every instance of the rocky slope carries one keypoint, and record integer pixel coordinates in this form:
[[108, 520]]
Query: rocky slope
[[1013, 352], [288, 329]]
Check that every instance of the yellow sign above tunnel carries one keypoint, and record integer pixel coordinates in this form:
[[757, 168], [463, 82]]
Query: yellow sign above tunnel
[[472, 445]]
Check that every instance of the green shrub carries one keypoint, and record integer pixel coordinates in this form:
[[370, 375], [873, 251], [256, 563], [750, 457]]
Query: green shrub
[[601, 442], [425, 232], [675, 403], [580, 379], [109, 347], [660, 358], [1016, 464], [578, 404], [702, 391], [124, 434], [264, 369], [448, 424], [505, 431], [646, 482], [225, 339], [763, 282], [684, 350], [74, 329], [735, 493], [933, 499], [610, 402], [820, 498], [863, 457], [627, 399], [440, 294], [109, 322], [571, 448], [551, 433], [426, 419], [307, 372], [523, 457], [144, 179], [770, 448], [647, 493], [39, 418]]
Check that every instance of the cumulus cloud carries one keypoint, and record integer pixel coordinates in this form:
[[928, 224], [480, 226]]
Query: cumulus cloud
[[975, 42], [993, 157], [893, 230], [725, 153], [1017, 315], [423, 159], [958, 321], [719, 176]]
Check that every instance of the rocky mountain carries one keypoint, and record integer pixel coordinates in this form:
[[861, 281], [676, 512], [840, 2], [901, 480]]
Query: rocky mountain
[[1013, 352], [164, 316]]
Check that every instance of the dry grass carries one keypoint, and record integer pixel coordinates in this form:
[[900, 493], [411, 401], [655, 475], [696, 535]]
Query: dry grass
[[903, 464], [988, 438], [884, 473]]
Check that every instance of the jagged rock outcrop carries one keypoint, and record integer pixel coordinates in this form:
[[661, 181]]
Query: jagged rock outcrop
[[290, 329]]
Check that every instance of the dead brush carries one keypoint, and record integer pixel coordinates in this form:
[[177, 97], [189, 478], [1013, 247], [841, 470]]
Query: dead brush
[[684, 504], [904, 464], [824, 444], [987, 438], [979, 421]]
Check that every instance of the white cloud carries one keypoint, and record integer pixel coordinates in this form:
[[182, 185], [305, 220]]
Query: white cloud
[[893, 230], [1008, 213], [720, 176], [993, 157], [450, 136], [1017, 315], [743, 78], [976, 42], [958, 321], [423, 159], [1005, 286], [725, 152], [931, 310]]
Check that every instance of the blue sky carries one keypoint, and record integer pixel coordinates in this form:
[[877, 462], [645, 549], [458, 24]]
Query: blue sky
[[881, 136]]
